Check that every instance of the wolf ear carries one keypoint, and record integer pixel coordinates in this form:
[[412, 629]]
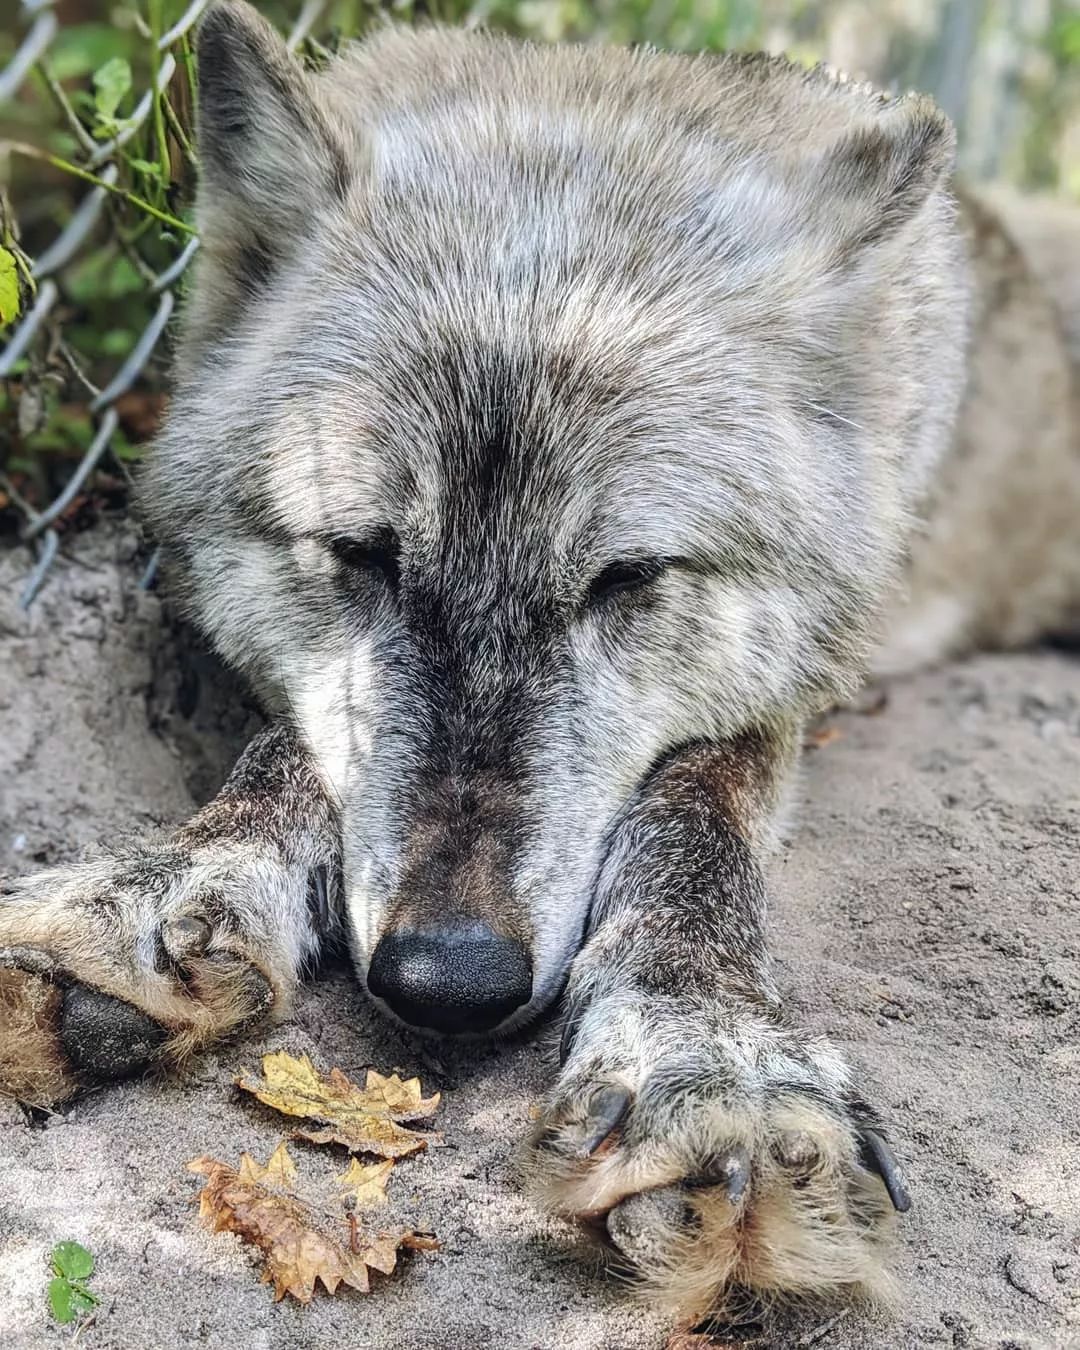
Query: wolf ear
[[878, 177], [269, 157]]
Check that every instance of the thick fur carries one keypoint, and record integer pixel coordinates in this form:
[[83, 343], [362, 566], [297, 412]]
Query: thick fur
[[538, 332], [555, 430]]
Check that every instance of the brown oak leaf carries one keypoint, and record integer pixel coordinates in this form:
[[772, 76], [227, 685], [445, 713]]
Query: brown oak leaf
[[299, 1244], [364, 1120], [365, 1183]]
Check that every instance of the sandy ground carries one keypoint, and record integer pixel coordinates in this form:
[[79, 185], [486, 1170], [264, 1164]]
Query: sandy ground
[[925, 916]]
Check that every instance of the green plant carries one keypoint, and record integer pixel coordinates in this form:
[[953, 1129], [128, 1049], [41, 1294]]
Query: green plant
[[9, 286], [69, 1297]]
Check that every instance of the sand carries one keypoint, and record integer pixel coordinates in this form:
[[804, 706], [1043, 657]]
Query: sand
[[925, 916]]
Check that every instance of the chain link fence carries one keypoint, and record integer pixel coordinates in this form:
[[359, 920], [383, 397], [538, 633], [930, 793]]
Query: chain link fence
[[99, 161], [101, 408]]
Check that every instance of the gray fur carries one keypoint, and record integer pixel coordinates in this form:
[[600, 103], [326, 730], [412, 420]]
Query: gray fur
[[538, 335], [551, 431]]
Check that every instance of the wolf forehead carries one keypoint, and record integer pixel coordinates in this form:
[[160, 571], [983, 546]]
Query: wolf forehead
[[453, 269], [559, 448]]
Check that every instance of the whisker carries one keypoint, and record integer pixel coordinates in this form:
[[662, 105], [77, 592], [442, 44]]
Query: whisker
[[836, 417]]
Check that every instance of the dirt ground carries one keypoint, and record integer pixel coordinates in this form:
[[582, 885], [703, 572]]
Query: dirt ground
[[925, 916]]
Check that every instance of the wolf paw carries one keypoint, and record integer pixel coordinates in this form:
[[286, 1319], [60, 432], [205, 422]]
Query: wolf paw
[[110, 966], [713, 1149]]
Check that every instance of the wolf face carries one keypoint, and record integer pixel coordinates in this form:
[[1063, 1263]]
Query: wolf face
[[541, 412]]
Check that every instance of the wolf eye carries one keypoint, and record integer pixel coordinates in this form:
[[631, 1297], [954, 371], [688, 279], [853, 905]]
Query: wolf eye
[[619, 577], [375, 553]]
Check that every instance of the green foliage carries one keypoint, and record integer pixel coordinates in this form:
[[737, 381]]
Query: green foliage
[[112, 83], [9, 287], [71, 1261], [69, 1297]]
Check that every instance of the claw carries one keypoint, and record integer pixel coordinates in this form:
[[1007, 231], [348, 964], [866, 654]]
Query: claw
[[730, 1169], [876, 1155], [737, 1175], [32, 960], [607, 1111]]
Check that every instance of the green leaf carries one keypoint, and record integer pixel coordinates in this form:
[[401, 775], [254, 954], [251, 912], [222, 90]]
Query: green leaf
[[82, 1300], [60, 1300], [72, 1260], [112, 81], [9, 287], [107, 127], [147, 167], [68, 1301]]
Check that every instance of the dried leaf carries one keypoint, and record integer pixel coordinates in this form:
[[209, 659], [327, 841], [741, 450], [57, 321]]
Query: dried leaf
[[279, 1171], [817, 738], [299, 1244], [364, 1120], [366, 1182], [402, 1096]]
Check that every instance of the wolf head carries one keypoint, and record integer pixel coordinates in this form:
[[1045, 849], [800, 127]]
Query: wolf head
[[539, 412]]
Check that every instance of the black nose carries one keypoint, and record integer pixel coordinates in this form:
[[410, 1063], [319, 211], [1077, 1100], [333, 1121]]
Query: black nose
[[459, 976]]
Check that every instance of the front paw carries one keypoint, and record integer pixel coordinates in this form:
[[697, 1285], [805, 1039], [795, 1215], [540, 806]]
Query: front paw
[[141, 957], [717, 1148]]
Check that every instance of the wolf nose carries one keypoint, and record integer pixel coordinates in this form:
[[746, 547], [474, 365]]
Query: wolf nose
[[459, 976]]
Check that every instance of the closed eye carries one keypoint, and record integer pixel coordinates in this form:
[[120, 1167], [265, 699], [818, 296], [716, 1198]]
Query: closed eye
[[619, 578], [374, 554]]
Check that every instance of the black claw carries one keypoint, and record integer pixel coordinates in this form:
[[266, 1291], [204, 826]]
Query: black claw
[[876, 1155], [106, 1038], [607, 1111], [738, 1175], [730, 1169]]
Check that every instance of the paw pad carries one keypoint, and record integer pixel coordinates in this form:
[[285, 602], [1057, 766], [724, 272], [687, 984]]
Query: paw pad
[[106, 1038]]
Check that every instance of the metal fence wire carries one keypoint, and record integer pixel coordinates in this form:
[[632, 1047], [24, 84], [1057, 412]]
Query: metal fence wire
[[41, 27]]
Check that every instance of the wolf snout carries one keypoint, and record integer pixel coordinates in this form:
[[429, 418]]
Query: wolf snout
[[458, 976]]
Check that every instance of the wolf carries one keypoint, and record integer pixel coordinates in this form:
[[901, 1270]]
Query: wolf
[[555, 431]]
